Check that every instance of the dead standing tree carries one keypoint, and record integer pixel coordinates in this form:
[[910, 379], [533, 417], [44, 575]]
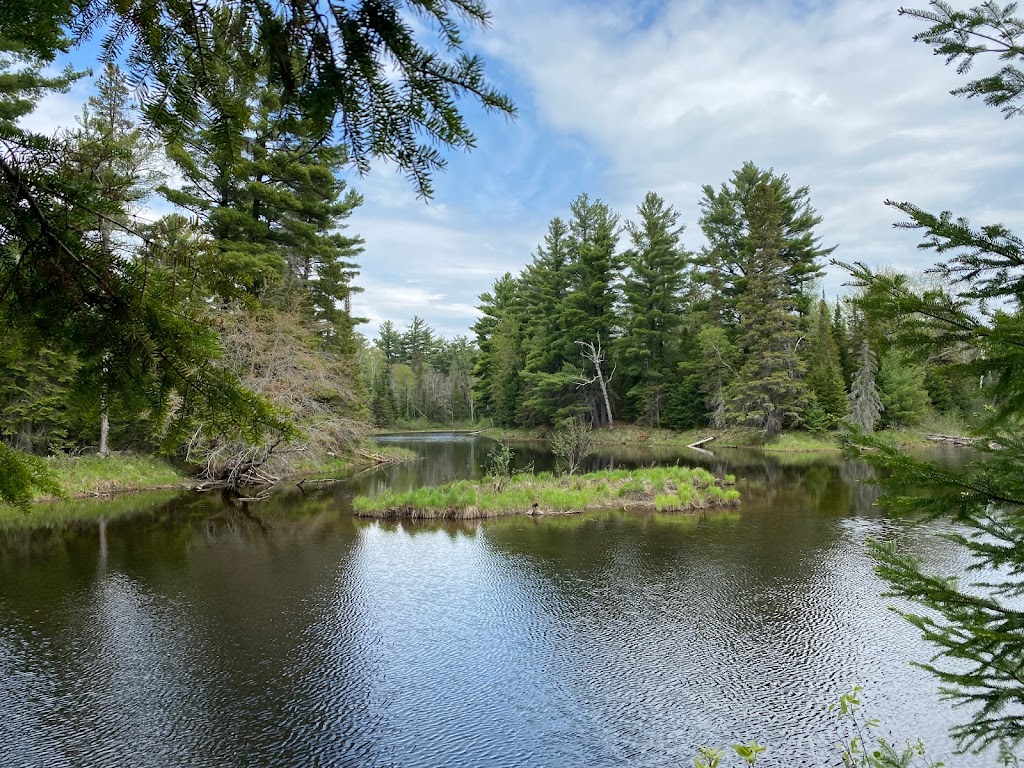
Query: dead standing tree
[[596, 356]]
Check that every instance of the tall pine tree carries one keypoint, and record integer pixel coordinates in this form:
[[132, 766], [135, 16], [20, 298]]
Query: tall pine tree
[[769, 392], [653, 289]]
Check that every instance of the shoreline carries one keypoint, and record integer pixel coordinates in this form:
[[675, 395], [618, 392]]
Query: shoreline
[[124, 474]]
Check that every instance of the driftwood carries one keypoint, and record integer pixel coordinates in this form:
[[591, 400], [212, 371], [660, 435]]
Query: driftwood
[[965, 442], [696, 446]]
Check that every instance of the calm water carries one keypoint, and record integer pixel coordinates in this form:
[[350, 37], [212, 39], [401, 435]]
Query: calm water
[[192, 634]]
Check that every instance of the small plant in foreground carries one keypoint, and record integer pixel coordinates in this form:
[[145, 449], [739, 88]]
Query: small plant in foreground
[[499, 464], [572, 442], [865, 749], [710, 757]]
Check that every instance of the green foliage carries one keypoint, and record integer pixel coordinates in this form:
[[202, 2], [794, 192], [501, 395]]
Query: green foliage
[[686, 488], [974, 627], [499, 464], [768, 393], [825, 375], [35, 387], [861, 746], [23, 477], [963, 35], [572, 442], [815, 418], [425, 377], [363, 70], [865, 400], [653, 290], [864, 748], [902, 391], [247, 97], [727, 220]]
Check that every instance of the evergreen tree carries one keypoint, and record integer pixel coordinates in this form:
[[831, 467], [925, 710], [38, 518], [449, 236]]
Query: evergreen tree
[[864, 399], [653, 292], [492, 376], [841, 336], [974, 625], [901, 389], [569, 297], [728, 221], [121, 163], [769, 392], [505, 365], [384, 407], [274, 204], [389, 341], [825, 377], [371, 79], [551, 367], [720, 360]]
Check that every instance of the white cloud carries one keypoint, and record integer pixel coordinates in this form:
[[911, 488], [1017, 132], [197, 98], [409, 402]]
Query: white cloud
[[837, 97]]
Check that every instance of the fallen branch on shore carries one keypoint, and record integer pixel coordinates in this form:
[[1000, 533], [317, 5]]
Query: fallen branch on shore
[[696, 446], [965, 442]]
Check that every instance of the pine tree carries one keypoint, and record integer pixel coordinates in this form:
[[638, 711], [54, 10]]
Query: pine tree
[[653, 294], [902, 392], [588, 313], [974, 624], [825, 377], [769, 392], [505, 365], [496, 372], [383, 405], [729, 260], [864, 400], [841, 336], [122, 164], [274, 203]]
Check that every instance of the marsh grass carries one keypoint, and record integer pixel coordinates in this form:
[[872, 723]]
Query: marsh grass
[[83, 476], [677, 488]]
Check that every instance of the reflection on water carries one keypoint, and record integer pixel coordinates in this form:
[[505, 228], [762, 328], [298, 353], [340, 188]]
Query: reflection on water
[[196, 634]]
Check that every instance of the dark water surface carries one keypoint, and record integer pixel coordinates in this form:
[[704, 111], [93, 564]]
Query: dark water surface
[[191, 634]]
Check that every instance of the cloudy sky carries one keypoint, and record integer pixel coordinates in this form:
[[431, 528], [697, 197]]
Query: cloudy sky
[[618, 97]]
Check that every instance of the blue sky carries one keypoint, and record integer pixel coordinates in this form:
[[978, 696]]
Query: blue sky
[[618, 98]]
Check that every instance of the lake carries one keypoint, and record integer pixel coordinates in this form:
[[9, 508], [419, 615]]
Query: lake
[[185, 632]]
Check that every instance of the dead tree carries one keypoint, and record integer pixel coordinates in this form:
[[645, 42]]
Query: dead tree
[[596, 356]]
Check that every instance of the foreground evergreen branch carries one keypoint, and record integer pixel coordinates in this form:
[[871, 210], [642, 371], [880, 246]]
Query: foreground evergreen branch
[[977, 627]]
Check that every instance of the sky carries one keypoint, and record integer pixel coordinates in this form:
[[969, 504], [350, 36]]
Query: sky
[[616, 98]]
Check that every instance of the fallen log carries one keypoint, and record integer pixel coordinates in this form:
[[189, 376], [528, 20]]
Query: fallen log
[[697, 445], [959, 440]]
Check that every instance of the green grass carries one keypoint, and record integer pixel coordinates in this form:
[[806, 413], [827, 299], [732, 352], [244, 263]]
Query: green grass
[[93, 476], [664, 488], [423, 425]]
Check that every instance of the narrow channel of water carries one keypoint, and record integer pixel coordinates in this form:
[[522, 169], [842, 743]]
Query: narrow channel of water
[[187, 633]]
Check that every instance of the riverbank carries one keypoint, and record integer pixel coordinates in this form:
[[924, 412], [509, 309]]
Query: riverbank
[[787, 442], [85, 477], [665, 489]]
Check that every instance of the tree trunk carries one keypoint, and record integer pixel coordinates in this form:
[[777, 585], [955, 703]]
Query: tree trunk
[[104, 431]]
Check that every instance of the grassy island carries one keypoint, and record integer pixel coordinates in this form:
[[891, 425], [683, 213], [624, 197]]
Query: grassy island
[[665, 489]]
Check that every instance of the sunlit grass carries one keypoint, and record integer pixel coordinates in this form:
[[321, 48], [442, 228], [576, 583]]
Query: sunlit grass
[[664, 488], [95, 476]]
